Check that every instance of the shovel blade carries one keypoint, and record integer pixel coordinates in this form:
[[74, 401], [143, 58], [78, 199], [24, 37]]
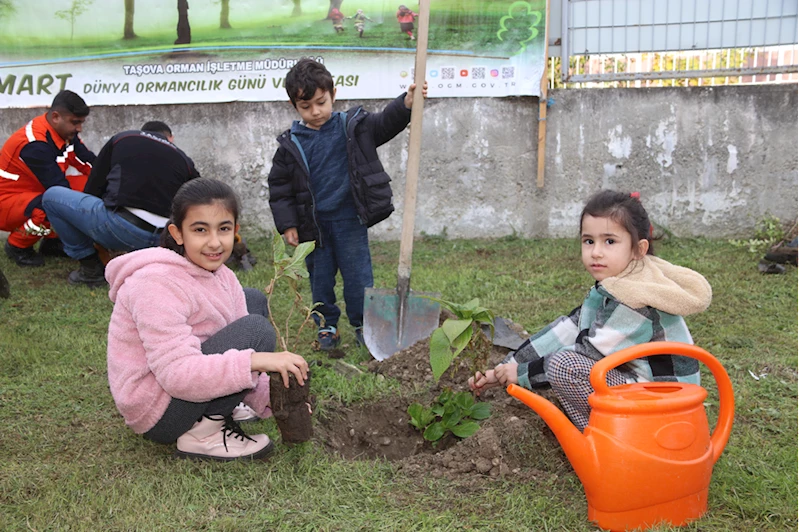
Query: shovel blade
[[381, 314]]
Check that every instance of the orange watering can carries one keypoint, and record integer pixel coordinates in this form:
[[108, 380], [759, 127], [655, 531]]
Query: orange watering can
[[647, 454]]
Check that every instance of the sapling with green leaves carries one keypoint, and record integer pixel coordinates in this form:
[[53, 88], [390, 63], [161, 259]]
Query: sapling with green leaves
[[457, 413], [461, 334], [291, 268]]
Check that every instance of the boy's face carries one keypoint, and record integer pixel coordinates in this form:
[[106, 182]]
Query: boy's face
[[316, 111]]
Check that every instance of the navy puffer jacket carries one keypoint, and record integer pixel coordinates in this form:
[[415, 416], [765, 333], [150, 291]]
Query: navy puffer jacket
[[290, 196]]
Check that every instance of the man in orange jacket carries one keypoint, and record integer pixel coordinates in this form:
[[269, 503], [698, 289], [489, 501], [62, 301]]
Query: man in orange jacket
[[44, 153]]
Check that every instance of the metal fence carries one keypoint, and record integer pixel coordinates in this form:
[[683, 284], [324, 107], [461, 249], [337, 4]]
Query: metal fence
[[686, 68], [639, 43]]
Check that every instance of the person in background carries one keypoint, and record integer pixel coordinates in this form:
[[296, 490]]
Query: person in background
[[360, 21], [405, 17], [126, 202], [337, 17], [46, 152], [636, 298]]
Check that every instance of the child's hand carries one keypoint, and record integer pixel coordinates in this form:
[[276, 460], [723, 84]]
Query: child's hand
[[283, 363], [409, 95], [507, 373], [481, 382], [291, 237]]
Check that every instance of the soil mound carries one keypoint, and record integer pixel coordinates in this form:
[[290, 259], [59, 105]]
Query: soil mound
[[513, 442]]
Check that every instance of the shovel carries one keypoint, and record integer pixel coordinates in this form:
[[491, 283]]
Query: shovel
[[396, 319]]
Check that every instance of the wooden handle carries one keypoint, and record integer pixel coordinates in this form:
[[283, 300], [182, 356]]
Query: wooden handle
[[414, 146], [542, 106]]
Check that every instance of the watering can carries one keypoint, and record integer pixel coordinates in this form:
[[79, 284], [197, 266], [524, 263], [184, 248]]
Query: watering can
[[647, 454]]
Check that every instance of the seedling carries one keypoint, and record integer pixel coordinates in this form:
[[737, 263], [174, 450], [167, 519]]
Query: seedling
[[456, 335], [291, 268], [457, 413]]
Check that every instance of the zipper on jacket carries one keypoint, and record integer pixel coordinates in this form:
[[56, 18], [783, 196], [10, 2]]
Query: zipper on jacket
[[349, 125], [308, 185]]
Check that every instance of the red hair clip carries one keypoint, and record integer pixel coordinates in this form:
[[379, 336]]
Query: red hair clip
[[637, 196]]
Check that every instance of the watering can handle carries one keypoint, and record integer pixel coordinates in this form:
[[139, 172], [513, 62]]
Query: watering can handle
[[726, 399]]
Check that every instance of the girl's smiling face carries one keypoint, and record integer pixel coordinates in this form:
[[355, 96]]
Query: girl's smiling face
[[207, 235], [607, 247]]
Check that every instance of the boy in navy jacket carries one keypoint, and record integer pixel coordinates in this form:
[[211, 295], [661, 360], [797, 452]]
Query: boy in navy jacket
[[328, 185]]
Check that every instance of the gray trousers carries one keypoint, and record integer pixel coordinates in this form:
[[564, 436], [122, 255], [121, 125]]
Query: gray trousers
[[250, 332], [570, 376]]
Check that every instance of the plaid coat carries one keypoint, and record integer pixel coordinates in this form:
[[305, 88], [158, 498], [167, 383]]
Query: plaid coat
[[645, 303]]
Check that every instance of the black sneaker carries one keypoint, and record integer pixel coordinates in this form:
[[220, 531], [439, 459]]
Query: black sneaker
[[328, 338], [52, 247], [5, 288], [91, 273], [23, 256], [359, 337]]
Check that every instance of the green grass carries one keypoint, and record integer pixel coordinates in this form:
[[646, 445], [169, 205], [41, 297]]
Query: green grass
[[67, 462]]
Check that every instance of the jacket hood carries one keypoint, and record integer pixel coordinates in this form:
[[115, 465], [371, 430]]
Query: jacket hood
[[157, 261], [654, 282]]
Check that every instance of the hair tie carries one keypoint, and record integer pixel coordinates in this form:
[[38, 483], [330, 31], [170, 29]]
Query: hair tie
[[637, 196]]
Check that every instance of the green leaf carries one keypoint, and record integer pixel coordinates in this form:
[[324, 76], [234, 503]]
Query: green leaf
[[454, 328], [480, 411], [434, 432], [465, 429], [445, 396], [278, 248], [451, 419], [464, 400], [462, 341], [438, 410], [472, 305], [440, 353], [416, 412]]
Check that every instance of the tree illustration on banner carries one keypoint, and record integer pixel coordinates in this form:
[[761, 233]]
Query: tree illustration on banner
[[519, 26], [130, 8], [75, 10]]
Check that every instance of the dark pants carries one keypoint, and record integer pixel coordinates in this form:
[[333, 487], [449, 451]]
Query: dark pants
[[345, 249], [250, 332]]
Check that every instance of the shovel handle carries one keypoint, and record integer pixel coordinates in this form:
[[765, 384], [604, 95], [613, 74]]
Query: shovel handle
[[414, 150], [726, 398]]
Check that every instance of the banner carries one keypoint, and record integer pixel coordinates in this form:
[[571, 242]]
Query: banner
[[123, 52]]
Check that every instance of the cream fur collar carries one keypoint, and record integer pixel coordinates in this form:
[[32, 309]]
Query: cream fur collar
[[654, 282]]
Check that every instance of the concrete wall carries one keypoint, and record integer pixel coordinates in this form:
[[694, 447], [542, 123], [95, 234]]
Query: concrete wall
[[707, 161]]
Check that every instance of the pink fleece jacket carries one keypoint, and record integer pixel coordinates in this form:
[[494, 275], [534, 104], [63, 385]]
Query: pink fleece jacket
[[164, 308]]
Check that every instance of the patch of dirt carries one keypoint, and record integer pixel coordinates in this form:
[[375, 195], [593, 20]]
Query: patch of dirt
[[512, 443]]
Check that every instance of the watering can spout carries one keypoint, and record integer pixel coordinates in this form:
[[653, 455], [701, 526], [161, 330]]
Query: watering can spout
[[577, 447]]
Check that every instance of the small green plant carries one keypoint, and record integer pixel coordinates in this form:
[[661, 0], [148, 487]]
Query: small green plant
[[292, 269], [439, 238], [769, 231], [461, 334], [457, 413]]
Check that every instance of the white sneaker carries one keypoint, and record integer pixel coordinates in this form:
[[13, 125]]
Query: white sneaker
[[221, 438], [244, 413]]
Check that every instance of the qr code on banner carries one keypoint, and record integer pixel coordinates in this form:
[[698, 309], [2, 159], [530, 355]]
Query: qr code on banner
[[479, 73], [508, 72], [448, 73]]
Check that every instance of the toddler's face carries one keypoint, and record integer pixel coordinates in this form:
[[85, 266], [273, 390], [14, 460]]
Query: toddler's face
[[607, 247], [207, 235], [316, 111]]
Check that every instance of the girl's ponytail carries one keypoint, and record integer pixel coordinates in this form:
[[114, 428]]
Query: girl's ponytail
[[168, 241]]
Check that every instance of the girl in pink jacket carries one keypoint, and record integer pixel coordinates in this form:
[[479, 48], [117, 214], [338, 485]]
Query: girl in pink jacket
[[186, 344]]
